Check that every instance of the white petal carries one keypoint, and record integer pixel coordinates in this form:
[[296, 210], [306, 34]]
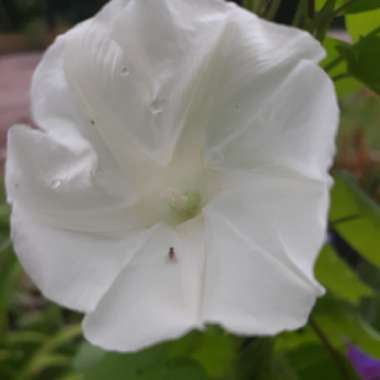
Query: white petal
[[296, 129], [57, 111], [60, 186], [154, 298], [263, 241], [136, 79], [52, 104], [111, 11], [246, 291], [243, 72], [160, 68], [70, 268]]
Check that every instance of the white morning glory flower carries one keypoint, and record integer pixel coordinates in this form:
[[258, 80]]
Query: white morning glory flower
[[180, 176]]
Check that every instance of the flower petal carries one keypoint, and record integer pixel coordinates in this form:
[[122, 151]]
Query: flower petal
[[243, 71], [130, 84], [56, 111], [152, 68], [296, 129], [60, 185], [156, 297], [263, 242], [70, 268], [53, 106]]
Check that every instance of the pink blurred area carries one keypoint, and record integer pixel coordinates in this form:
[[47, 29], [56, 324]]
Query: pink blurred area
[[15, 75]]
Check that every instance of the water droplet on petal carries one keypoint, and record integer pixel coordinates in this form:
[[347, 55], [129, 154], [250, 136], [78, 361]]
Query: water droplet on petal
[[217, 157], [56, 184], [125, 72], [157, 106]]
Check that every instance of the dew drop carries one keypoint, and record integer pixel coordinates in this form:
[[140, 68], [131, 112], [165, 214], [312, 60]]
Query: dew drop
[[56, 184], [157, 106], [217, 157], [125, 72]]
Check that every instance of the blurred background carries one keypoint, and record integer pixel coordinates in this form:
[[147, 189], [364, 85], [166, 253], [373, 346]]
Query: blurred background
[[39, 338]]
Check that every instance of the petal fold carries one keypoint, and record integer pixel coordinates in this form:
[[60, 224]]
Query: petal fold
[[246, 290], [157, 296], [267, 232], [70, 268], [295, 129]]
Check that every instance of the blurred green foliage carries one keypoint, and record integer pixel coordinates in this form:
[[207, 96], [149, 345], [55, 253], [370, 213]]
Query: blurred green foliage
[[15, 15]]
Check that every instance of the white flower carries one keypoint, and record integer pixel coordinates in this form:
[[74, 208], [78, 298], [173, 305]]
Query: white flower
[[180, 176]]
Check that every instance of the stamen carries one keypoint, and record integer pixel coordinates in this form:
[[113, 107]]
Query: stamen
[[185, 205]]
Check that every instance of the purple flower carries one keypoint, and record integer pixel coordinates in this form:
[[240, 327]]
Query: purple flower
[[366, 367]]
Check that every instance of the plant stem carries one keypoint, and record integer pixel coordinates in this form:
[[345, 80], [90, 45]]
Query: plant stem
[[324, 19], [338, 77], [345, 219], [303, 17], [373, 33], [249, 4], [311, 11], [273, 9], [335, 355], [340, 11], [258, 6], [298, 15], [333, 63]]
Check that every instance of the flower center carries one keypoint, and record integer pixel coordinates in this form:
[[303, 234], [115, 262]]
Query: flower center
[[184, 205]]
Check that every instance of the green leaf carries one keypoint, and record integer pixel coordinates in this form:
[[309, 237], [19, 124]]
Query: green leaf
[[255, 360], [259, 361], [360, 25], [70, 376], [344, 86], [46, 356], [282, 369], [154, 363], [292, 340], [88, 357], [362, 60], [69, 333], [338, 277], [356, 7], [25, 338], [313, 362], [356, 217], [4, 216], [9, 275], [216, 351], [363, 6], [341, 323], [49, 361], [181, 369], [363, 237], [319, 4]]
